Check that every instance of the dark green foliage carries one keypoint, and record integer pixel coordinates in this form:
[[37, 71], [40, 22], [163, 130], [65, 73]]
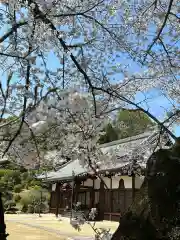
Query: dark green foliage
[[13, 181], [35, 200], [17, 198], [134, 123], [9, 204], [35, 182], [111, 134], [18, 188], [24, 209]]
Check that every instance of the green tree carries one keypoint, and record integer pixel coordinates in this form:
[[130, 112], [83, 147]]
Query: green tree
[[35, 199], [135, 122], [126, 124], [110, 135]]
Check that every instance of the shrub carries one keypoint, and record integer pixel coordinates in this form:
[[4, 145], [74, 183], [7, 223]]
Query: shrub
[[36, 187], [24, 175], [45, 207], [35, 183], [18, 188], [17, 197], [4, 172], [25, 198], [13, 176], [33, 198], [9, 204], [30, 209], [24, 209]]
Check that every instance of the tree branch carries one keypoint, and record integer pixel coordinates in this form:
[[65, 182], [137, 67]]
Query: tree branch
[[12, 30], [161, 29], [24, 110], [86, 77]]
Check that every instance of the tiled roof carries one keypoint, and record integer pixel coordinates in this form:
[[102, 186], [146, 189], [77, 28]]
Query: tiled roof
[[66, 171], [121, 148]]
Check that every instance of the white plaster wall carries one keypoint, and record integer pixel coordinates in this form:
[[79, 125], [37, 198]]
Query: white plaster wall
[[88, 183], [127, 181], [54, 187], [97, 183], [106, 181], [115, 182]]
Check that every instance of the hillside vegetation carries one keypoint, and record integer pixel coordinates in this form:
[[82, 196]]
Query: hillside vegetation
[[21, 191]]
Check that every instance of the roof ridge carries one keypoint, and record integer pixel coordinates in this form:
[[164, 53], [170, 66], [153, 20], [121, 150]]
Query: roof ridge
[[128, 139]]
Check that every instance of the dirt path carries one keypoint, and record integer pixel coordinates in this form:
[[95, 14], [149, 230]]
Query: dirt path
[[20, 231], [61, 235]]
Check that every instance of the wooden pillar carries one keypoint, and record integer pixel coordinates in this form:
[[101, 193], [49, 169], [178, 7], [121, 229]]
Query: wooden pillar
[[133, 187], [50, 201], [121, 196], [92, 196], [57, 198], [111, 200], [72, 197], [101, 201], [76, 190]]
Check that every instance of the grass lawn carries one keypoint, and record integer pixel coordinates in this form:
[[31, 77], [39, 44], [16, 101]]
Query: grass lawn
[[21, 232]]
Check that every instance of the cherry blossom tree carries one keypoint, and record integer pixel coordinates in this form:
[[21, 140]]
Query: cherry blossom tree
[[95, 45], [87, 38]]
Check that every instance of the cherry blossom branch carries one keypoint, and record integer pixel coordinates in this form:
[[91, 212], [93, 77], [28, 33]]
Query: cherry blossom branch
[[23, 113], [12, 30], [154, 3], [161, 29], [80, 44], [34, 140], [122, 98], [166, 51], [79, 13], [8, 123], [11, 55], [87, 79], [5, 95]]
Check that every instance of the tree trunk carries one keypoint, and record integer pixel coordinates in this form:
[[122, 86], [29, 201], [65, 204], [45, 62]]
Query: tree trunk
[[3, 234], [155, 211]]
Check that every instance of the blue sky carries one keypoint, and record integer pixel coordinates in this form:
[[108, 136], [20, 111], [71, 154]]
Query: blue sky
[[157, 105]]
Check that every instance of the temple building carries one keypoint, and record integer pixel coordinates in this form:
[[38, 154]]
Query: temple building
[[112, 188]]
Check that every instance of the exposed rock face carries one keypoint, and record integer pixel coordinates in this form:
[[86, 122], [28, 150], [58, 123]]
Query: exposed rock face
[[155, 212]]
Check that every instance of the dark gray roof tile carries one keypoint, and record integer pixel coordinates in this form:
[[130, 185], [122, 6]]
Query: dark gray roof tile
[[121, 148]]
